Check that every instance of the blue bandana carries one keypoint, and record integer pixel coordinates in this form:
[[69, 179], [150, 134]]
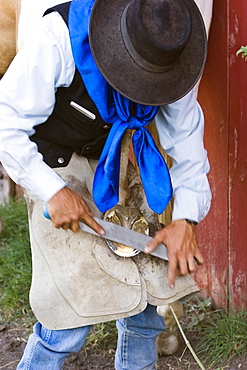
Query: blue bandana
[[115, 109]]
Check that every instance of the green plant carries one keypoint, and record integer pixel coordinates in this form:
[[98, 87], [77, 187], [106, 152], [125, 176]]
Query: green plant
[[243, 52], [102, 336], [197, 311], [15, 261], [223, 337]]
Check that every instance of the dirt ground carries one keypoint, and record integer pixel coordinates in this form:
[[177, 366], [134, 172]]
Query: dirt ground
[[13, 339]]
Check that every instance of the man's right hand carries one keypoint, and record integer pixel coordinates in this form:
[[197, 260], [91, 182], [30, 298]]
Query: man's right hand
[[66, 208]]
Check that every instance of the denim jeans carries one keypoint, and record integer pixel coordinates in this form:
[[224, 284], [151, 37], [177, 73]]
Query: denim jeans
[[136, 349]]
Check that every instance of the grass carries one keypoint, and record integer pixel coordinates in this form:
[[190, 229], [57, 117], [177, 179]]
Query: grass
[[223, 337], [102, 337], [15, 261], [221, 334]]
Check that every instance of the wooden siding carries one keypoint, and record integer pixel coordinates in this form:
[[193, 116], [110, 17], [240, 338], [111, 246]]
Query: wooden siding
[[223, 96]]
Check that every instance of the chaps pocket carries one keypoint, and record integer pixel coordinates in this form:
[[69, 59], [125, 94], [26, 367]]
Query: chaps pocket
[[90, 278]]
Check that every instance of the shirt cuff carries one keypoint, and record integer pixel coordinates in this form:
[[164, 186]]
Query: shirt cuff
[[190, 205], [43, 182]]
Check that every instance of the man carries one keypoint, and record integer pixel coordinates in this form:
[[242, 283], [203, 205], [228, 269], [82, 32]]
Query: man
[[65, 103]]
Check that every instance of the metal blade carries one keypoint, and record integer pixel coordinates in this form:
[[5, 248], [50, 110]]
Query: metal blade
[[125, 236]]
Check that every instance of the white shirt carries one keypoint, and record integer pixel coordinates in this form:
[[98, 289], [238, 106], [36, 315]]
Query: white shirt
[[27, 98]]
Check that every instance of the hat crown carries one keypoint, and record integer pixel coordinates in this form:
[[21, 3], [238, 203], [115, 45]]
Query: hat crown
[[155, 32], [151, 51]]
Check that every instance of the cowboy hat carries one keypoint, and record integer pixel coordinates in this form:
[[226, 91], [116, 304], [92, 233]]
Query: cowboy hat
[[151, 51]]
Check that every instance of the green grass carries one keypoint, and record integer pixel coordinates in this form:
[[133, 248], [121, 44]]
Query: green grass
[[15, 261], [223, 336], [102, 337]]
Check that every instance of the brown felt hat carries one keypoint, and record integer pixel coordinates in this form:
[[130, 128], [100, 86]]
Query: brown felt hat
[[151, 51]]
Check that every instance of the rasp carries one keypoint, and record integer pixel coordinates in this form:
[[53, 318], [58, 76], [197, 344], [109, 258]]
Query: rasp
[[121, 234]]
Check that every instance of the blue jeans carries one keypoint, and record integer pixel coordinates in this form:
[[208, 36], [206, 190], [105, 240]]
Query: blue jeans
[[136, 349]]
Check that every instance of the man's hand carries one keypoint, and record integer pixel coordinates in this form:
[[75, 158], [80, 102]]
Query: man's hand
[[181, 242], [66, 208]]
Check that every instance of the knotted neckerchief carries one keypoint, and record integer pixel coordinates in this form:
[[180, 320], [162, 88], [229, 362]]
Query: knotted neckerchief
[[116, 109]]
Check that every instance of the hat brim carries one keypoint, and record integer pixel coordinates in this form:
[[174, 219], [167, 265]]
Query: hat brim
[[126, 76]]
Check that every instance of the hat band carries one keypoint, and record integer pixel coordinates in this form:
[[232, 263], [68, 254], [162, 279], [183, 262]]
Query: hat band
[[134, 54]]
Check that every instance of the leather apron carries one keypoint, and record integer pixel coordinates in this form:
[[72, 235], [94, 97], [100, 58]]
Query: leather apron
[[77, 280]]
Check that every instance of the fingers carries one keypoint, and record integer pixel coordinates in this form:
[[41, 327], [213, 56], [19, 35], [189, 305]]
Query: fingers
[[183, 266], [75, 226], [173, 269], [172, 272], [183, 251], [180, 267], [67, 208], [152, 245], [94, 225], [199, 257]]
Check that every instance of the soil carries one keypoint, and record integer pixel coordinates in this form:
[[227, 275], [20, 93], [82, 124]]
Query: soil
[[13, 339]]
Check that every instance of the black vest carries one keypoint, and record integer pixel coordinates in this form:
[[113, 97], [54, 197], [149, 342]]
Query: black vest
[[67, 130]]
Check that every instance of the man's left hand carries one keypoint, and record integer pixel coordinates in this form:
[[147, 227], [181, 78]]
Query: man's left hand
[[180, 239]]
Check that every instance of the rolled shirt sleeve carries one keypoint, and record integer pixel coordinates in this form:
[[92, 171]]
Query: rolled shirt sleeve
[[27, 98], [180, 126]]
